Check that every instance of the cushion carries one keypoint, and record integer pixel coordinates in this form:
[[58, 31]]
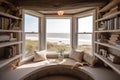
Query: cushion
[[76, 55], [39, 55], [91, 60]]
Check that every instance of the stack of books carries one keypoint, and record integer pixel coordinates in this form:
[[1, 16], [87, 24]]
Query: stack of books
[[10, 51]]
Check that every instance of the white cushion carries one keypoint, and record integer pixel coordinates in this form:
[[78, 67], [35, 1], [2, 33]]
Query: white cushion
[[39, 55], [91, 60], [77, 55]]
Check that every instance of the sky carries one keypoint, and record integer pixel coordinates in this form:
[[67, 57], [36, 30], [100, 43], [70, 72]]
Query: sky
[[58, 25], [85, 24], [31, 23]]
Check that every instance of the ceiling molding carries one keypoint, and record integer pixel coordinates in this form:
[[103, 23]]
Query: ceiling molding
[[48, 5]]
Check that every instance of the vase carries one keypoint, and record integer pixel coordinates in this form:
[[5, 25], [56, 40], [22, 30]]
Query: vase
[[61, 56]]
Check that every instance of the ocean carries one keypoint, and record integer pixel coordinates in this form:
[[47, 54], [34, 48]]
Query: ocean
[[64, 37]]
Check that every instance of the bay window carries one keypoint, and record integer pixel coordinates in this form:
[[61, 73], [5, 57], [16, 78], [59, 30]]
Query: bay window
[[58, 34], [31, 33], [85, 31]]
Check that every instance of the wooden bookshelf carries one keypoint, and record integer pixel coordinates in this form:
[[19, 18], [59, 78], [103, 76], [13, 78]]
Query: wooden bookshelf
[[4, 62], [108, 29], [115, 67], [10, 27]]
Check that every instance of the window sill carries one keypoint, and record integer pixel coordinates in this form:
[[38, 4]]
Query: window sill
[[48, 54], [55, 55], [26, 59]]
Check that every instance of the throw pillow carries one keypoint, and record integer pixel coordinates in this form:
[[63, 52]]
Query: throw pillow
[[91, 60], [39, 55], [76, 55]]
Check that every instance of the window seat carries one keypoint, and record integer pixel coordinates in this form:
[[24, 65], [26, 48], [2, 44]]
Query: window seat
[[98, 73]]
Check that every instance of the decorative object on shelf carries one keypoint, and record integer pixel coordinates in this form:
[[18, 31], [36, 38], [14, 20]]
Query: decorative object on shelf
[[102, 26], [114, 58], [102, 38], [12, 38], [15, 64], [103, 52], [114, 39], [118, 43]]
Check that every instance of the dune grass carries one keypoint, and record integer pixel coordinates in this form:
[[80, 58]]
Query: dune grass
[[32, 45]]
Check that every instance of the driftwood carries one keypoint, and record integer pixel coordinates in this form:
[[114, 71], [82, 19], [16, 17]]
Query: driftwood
[[110, 5], [11, 8]]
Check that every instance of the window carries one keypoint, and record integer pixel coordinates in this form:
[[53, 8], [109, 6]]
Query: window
[[58, 34], [85, 30], [31, 31]]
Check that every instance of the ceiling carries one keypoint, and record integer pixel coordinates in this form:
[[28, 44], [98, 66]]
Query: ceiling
[[67, 12], [51, 6]]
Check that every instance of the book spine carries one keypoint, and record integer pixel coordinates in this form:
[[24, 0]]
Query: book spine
[[0, 22], [119, 22], [115, 23]]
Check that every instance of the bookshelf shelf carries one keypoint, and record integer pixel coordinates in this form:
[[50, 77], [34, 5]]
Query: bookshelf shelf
[[107, 31], [10, 30], [107, 45], [4, 62], [115, 67], [10, 43], [9, 16], [109, 16]]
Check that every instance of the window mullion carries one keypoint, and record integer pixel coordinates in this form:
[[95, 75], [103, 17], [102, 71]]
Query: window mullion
[[84, 33]]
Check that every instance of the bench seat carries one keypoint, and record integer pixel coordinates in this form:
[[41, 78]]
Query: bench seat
[[98, 73]]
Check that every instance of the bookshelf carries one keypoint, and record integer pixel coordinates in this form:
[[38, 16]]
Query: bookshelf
[[4, 62], [116, 67], [107, 35], [10, 38]]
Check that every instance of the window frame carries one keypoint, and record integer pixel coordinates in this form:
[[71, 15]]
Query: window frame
[[40, 19], [59, 17], [82, 15], [25, 33]]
